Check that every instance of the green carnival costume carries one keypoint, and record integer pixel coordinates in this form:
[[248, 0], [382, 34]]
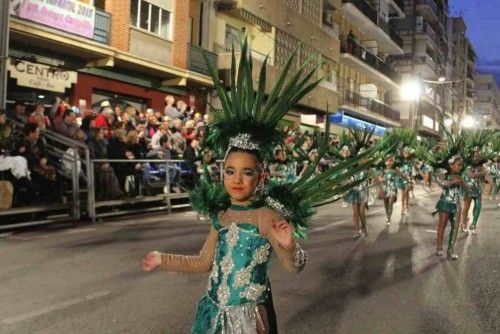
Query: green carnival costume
[[239, 245]]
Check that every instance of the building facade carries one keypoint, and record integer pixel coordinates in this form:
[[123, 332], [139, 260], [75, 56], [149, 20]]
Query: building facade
[[131, 51], [426, 58], [464, 72], [487, 104]]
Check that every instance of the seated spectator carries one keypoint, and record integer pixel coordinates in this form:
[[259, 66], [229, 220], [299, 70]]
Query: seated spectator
[[178, 142], [42, 173], [105, 120], [170, 110], [183, 109], [106, 183], [190, 131], [118, 112], [191, 154], [152, 126], [128, 118], [164, 152], [38, 116], [162, 131], [67, 125], [88, 122], [18, 113], [117, 149]]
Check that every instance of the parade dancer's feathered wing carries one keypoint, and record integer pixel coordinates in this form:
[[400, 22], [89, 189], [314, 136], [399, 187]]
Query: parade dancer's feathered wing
[[249, 121]]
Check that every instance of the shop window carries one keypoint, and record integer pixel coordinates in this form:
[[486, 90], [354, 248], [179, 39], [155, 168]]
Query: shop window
[[151, 18]]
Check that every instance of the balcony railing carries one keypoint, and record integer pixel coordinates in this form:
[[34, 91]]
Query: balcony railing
[[353, 48], [356, 100], [470, 74], [196, 61], [427, 29], [102, 26], [401, 4], [372, 14], [365, 8], [430, 3]]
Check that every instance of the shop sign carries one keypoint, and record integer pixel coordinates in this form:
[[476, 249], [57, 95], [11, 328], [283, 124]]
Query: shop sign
[[72, 16], [41, 76]]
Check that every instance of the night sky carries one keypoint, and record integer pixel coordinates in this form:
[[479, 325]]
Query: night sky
[[483, 29]]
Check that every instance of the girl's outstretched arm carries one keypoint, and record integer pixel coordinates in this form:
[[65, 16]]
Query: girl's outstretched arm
[[182, 263]]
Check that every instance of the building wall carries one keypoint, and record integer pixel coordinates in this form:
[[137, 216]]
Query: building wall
[[120, 22]]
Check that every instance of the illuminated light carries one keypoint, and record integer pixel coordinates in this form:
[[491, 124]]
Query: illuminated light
[[468, 122], [411, 90]]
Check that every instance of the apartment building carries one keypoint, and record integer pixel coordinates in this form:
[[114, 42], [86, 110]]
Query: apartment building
[[276, 28], [487, 104], [464, 73], [367, 83], [129, 51], [426, 58]]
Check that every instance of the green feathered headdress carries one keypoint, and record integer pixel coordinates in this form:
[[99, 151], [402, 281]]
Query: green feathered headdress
[[248, 120], [440, 155], [481, 140]]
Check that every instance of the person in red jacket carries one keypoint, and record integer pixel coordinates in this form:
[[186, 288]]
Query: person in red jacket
[[104, 120]]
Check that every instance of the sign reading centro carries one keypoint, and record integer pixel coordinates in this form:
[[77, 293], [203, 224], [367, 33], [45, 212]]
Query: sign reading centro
[[41, 76], [69, 15]]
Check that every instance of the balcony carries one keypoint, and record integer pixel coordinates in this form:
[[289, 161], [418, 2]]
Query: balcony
[[471, 74], [102, 26], [366, 18], [470, 93], [378, 108], [400, 4], [427, 31], [196, 61], [428, 9], [425, 65], [359, 58]]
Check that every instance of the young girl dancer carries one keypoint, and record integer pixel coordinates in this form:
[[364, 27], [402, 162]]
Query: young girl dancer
[[389, 177], [449, 204], [406, 167], [248, 221], [473, 175], [495, 176]]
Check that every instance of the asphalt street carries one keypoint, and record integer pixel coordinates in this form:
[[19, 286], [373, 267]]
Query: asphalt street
[[88, 279]]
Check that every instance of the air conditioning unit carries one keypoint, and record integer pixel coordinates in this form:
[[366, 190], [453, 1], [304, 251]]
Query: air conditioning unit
[[329, 18]]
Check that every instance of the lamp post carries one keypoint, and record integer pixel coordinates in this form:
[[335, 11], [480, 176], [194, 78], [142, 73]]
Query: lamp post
[[4, 50]]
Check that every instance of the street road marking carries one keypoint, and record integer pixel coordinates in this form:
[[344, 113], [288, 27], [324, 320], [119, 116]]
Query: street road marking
[[71, 302], [431, 231]]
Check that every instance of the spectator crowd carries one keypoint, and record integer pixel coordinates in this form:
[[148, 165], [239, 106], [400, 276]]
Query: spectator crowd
[[114, 132]]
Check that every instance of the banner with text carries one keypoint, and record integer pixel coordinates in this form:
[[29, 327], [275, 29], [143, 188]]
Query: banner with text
[[69, 15]]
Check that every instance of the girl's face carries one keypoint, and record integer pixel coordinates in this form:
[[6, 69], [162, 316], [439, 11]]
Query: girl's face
[[389, 163], [406, 154], [456, 167], [345, 154], [241, 176]]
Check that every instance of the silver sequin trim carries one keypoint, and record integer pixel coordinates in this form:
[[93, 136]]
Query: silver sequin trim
[[301, 258], [244, 142]]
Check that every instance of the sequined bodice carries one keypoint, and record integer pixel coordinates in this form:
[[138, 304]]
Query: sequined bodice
[[240, 271], [451, 194], [390, 181], [406, 167]]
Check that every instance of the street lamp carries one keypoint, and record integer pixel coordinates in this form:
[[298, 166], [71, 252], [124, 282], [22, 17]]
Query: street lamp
[[412, 90], [468, 122]]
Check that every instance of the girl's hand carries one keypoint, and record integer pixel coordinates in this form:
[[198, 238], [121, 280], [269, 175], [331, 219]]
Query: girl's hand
[[282, 232], [151, 261]]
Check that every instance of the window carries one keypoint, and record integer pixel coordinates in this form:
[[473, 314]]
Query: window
[[99, 4], [151, 18]]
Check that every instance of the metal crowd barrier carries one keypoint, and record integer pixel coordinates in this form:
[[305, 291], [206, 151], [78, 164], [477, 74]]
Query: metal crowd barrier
[[166, 197]]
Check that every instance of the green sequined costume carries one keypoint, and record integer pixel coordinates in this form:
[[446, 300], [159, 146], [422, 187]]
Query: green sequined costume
[[495, 176], [239, 281], [360, 193], [406, 168], [449, 202]]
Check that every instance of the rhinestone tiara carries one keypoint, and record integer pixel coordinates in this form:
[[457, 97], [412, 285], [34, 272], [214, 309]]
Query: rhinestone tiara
[[243, 141], [278, 207]]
